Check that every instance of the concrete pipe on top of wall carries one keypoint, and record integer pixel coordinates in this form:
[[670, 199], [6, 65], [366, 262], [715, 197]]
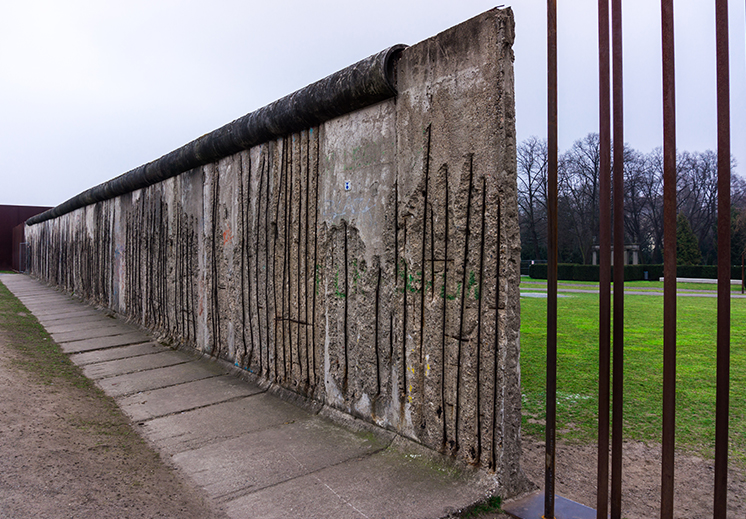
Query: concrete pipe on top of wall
[[366, 82]]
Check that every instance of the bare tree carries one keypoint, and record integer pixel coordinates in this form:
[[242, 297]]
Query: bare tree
[[697, 196], [532, 195], [653, 193], [637, 225], [579, 169]]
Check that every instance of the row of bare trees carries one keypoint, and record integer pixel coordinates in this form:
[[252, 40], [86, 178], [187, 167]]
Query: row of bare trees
[[578, 201]]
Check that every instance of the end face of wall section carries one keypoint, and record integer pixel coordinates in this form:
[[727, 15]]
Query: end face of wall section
[[370, 263], [459, 244]]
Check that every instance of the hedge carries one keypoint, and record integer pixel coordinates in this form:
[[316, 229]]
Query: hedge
[[575, 272]]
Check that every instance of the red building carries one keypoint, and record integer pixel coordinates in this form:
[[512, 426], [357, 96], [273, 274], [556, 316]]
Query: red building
[[12, 216]]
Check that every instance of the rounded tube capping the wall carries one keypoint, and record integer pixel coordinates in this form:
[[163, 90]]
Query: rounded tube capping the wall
[[367, 82]]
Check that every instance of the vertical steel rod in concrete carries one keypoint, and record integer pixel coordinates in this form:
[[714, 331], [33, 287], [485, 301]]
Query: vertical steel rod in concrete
[[551, 416], [604, 328], [669, 257], [618, 359], [723, 313]]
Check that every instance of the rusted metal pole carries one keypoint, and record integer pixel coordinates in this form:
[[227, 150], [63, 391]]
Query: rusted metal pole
[[669, 253], [551, 416], [723, 315], [618, 356], [604, 329]]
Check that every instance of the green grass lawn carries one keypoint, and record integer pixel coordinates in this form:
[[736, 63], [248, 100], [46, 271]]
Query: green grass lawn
[[577, 385]]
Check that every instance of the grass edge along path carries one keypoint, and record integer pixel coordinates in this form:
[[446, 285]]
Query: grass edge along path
[[63, 436], [46, 364], [577, 385]]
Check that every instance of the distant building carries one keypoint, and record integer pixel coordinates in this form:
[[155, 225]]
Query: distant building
[[12, 216], [631, 254]]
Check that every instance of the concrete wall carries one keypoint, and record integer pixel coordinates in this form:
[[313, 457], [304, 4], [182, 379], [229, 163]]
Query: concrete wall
[[370, 263]]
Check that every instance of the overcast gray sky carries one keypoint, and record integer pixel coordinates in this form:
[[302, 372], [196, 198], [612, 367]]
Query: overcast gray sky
[[90, 89]]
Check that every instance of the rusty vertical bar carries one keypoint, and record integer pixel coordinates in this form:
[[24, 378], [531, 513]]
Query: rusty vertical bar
[[723, 315], [604, 329], [551, 415], [618, 354], [669, 260]]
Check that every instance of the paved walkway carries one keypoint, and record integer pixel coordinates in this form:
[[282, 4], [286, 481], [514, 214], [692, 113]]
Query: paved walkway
[[255, 454], [539, 289]]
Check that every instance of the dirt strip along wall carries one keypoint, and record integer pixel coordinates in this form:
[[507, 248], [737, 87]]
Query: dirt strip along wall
[[370, 263]]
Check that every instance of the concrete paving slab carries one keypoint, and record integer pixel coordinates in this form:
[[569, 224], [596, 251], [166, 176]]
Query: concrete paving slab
[[184, 397], [46, 311], [67, 314], [120, 352], [194, 429], [28, 298], [104, 342], [270, 456], [120, 328], [85, 318], [100, 323], [36, 296], [29, 287], [73, 314], [42, 300], [45, 308], [113, 368], [25, 285], [388, 484], [131, 383]]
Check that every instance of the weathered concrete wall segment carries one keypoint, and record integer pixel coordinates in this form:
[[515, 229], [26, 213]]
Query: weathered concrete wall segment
[[369, 263]]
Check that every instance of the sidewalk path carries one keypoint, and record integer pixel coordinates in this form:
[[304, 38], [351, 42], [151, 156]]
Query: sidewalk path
[[534, 288], [253, 453]]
